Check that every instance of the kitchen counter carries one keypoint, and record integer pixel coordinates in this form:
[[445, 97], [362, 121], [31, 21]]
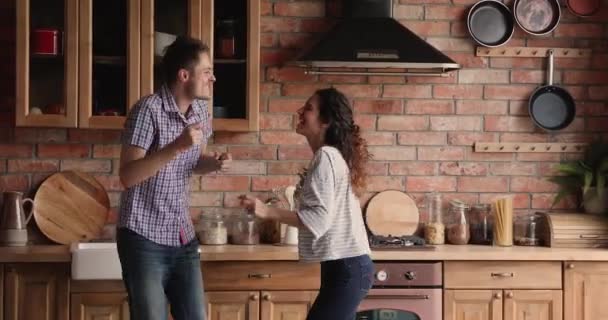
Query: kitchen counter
[[59, 253]]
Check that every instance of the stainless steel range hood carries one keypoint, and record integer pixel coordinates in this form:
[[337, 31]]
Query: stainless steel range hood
[[369, 38]]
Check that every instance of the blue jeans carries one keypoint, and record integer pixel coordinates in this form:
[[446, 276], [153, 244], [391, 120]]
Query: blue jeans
[[155, 275], [344, 284]]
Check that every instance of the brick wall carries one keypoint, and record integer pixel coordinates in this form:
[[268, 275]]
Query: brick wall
[[421, 130]]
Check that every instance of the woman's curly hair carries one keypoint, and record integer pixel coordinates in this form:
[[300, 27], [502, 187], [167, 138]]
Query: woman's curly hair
[[343, 134]]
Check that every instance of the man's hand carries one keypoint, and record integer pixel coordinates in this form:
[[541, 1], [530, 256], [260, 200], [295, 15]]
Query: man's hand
[[224, 161], [192, 135]]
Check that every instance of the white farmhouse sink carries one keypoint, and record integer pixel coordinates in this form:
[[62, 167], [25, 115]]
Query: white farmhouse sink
[[95, 261]]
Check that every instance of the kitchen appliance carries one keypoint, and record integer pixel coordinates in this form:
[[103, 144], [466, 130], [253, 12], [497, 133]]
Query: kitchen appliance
[[380, 243], [490, 23], [404, 291], [584, 8], [46, 42], [537, 17], [13, 225]]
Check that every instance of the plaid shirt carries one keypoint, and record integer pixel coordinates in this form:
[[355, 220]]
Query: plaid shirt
[[158, 207]]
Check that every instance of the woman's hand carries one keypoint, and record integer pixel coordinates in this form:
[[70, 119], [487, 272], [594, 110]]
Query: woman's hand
[[254, 205]]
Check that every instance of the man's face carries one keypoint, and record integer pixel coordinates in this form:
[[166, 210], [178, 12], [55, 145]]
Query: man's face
[[199, 84]]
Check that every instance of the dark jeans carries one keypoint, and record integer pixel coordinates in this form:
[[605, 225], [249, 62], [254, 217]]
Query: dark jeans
[[155, 275], [344, 284]]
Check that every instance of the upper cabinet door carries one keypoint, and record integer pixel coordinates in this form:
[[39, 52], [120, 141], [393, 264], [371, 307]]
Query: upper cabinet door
[[47, 63], [109, 61]]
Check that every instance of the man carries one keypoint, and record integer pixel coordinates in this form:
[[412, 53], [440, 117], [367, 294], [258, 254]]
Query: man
[[163, 144]]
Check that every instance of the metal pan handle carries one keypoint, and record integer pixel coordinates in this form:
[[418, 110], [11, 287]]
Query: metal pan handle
[[550, 67]]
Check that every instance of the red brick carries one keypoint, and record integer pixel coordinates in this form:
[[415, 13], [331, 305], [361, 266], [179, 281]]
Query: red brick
[[459, 29], [429, 107], [455, 123], [393, 153], [286, 167], [316, 25], [365, 121], [513, 169], [110, 183], [569, 64], [14, 182], [422, 138], [577, 92], [285, 105], [247, 167], [452, 44], [105, 151], [463, 169], [224, 183], [379, 138], [523, 137], [449, 79], [407, 91], [231, 199], [428, 28], [270, 89], [483, 184], [282, 137], [481, 107], [520, 200], [375, 168], [575, 137], [274, 57], [440, 153], [598, 61], [519, 108], [580, 30], [225, 137], [424, 1], [470, 138], [428, 184], [403, 123], [551, 42], [294, 40], [467, 60], [598, 93], [591, 109], [513, 92], [545, 201], [343, 79], [517, 63], [15, 150], [295, 153], [63, 151], [444, 12], [205, 199], [538, 157], [488, 156], [577, 125], [532, 76], [299, 9], [302, 90], [547, 169], [483, 76], [509, 124], [386, 79], [288, 74], [378, 183], [266, 8], [253, 152], [269, 40], [412, 168], [102, 166], [532, 184], [462, 91], [385, 106], [3, 166], [597, 124], [270, 182], [359, 90], [94, 136], [27, 165], [40, 135], [276, 24], [276, 121], [408, 12], [195, 183]]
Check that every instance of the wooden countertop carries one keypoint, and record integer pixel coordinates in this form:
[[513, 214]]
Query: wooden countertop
[[59, 253]]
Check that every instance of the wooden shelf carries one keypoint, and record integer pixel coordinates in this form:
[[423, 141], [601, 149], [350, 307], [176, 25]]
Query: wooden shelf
[[230, 61], [531, 52], [110, 60], [549, 147]]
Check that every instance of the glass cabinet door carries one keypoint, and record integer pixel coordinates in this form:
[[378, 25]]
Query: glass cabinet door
[[46, 58], [109, 61]]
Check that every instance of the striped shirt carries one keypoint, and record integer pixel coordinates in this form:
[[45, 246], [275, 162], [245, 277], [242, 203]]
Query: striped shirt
[[330, 211], [158, 207]]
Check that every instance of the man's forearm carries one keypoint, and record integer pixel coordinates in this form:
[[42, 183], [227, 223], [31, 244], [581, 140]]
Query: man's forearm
[[136, 171], [285, 216]]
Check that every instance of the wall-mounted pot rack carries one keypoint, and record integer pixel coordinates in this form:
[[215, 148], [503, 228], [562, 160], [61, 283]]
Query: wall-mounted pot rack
[[533, 52], [549, 147]]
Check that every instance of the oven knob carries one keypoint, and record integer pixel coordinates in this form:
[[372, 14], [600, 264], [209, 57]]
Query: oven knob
[[410, 275], [381, 275]]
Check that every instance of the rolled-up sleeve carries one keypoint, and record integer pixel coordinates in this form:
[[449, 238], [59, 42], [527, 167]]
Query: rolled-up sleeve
[[316, 209], [139, 127]]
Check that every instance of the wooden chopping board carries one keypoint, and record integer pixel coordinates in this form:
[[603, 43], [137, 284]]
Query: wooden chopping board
[[71, 206], [392, 213]]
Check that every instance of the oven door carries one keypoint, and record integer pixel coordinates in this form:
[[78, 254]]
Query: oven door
[[401, 304]]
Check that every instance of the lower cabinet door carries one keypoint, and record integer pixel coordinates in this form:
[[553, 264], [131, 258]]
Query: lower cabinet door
[[286, 305], [473, 305], [533, 305], [93, 306], [233, 305]]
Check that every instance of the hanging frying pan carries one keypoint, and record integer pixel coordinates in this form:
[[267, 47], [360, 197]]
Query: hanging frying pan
[[551, 107], [490, 23], [583, 8], [537, 17]]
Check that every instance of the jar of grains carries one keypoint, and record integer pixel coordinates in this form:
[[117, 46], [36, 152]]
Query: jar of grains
[[212, 229], [434, 229]]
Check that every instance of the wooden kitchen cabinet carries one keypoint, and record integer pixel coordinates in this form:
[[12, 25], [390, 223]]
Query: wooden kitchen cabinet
[[259, 305], [36, 291], [585, 290], [91, 306], [233, 305], [473, 305], [1, 292], [533, 305], [286, 305]]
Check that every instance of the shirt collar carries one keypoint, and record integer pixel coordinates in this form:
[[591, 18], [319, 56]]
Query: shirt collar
[[169, 104]]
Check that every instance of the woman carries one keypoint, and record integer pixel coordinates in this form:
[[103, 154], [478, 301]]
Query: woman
[[328, 213]]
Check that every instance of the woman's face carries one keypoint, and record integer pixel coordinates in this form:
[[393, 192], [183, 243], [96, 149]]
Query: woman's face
[[310, 124]]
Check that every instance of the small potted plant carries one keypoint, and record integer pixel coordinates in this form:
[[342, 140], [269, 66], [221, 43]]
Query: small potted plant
[[585, 179]]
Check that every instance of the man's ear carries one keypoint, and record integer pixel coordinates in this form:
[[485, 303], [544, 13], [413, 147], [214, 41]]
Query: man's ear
[[183, 75]]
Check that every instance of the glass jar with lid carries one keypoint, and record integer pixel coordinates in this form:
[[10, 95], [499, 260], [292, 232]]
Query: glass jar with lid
[[458, 228], [434, 229], [244, 229], [212, 229], [481, 224], [525, 230]]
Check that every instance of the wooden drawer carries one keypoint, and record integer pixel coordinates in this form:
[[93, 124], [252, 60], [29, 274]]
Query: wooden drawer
[[276, 275], [502, 275]]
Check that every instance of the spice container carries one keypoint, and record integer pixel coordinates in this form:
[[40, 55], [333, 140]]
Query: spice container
[[503, 222], [244, 230], [434, 230], [212, 229], [458, 229], [226, 39], [481, 224], [525, 233]]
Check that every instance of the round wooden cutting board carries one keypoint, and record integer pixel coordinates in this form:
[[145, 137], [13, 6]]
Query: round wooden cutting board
[[392, 213], [71, 206]]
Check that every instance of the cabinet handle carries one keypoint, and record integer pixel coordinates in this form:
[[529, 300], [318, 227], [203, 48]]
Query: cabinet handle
[[570, 265], [267, 297], [253, 297], [259, 276], [502, 274], [497, 296], [509, 294]]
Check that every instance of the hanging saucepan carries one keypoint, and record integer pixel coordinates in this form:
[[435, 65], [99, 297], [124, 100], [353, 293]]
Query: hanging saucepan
[[490, 23], [551, 107], [583, 8], [537, 17]]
